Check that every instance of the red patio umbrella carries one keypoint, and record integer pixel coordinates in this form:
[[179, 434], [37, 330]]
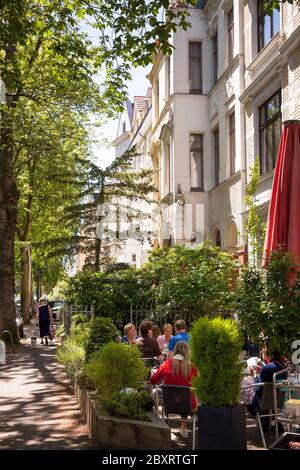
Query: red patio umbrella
[[283, 227]]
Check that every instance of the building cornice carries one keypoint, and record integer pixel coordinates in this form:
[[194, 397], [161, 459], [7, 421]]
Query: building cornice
[[227, 182], [267, 52], [162, 115], [213, 27], [290, 44], [121, 138], [227, 73], [262, 80], [155, 66], [226, 6]]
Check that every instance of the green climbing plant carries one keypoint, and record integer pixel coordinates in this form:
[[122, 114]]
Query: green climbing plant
[[255, 228]]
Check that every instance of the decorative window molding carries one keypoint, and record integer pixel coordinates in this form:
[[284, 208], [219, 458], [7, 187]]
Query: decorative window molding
[[226, 6], [213, 105], [213, 27], [229, 87]]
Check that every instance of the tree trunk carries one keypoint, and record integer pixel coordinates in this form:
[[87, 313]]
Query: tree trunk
[[25, 283], [8, 218]]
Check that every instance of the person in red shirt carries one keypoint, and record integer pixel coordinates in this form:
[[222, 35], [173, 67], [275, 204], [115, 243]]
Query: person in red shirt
[[177, 370]]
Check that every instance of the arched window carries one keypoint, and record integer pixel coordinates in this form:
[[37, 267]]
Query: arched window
[[233, 237], [218, 240]]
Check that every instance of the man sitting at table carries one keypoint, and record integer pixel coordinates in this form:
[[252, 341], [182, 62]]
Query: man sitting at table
[[181, 335], [276, 364]]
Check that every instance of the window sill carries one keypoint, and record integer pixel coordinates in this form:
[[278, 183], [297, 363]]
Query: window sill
[[197, 190], [266, 176]]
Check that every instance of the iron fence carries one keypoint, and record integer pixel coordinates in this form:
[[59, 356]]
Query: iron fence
[[164, 314]]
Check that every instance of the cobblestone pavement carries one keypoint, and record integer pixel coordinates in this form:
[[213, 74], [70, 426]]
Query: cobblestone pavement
[[37, 408]]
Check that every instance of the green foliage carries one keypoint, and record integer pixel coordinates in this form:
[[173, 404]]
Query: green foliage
[[269, 5], [250, 295], [81, 333], [254, 227], [115, 367], [48, 67], [282, 303], [101, 331], [111, 292], [79, 319], [106, 187], [215, 348], [202, 279], [60, 330], [72, 355], [129, 405], [269, 303]]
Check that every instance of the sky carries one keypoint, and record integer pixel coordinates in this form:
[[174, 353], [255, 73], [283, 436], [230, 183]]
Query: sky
[[104, 153]]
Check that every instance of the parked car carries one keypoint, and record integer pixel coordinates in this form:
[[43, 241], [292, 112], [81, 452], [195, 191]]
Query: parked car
[[57, 308], [19, 321]]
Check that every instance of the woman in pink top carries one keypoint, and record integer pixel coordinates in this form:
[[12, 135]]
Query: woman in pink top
[[164, 339]]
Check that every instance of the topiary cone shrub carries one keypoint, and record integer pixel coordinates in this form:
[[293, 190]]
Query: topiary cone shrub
[[215, 348]]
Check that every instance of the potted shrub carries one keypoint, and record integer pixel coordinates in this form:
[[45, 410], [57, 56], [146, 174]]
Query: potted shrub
[[122, 411], [215, 347]]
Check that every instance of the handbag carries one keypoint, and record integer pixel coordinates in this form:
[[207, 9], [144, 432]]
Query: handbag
[[51, 332]]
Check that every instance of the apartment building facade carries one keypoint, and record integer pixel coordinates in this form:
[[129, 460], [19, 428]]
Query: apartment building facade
[[218, 103], [198, 129], [134, 130], [272, 87]]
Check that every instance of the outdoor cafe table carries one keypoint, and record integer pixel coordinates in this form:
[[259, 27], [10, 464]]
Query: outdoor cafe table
[[286, 385]]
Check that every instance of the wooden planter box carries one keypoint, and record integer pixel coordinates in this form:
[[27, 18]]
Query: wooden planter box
[[110, 432]]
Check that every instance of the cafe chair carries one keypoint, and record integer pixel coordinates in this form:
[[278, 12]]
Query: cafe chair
[[177, 400]]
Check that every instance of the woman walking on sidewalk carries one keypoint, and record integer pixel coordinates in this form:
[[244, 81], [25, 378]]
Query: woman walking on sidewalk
[[45, 318]]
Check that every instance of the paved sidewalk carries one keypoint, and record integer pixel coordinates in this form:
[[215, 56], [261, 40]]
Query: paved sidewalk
[[37, 409]]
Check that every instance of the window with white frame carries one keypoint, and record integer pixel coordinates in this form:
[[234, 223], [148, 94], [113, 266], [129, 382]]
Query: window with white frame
[[195, 67]]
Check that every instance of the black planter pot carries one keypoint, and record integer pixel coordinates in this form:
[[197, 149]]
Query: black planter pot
[[222, 428]]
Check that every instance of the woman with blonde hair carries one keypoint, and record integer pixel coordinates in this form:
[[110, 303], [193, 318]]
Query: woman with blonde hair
[[164, 339], [177, 370]]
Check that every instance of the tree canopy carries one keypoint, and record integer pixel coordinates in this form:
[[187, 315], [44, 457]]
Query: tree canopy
[[46, 58]]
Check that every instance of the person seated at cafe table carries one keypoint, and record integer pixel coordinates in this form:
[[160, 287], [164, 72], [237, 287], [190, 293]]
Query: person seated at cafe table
[[177, 370], [276, 364], [164, 339], [130, 336], [181, 335], [149, 346], [155, 332]]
